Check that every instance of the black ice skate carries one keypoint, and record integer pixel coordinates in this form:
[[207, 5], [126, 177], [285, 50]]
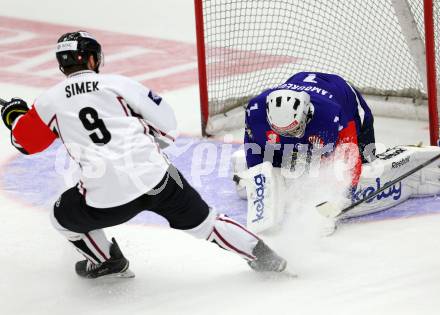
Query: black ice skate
[[116, 266], [266, 259]]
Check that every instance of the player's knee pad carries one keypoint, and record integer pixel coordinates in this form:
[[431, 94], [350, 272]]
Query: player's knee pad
[[234, 237], [226, 233], [93, 245]]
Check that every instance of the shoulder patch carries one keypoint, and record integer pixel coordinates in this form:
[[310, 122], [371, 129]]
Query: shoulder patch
[[251, 108], [154, 97]]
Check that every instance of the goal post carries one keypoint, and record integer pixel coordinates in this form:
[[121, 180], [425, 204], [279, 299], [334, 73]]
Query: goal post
[[432, 33], [201, 62], [386, 49]]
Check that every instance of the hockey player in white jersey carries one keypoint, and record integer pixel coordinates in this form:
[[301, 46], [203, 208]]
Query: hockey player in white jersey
[[114, 127]]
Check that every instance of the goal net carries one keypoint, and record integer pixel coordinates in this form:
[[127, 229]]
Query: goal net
[[380, 47]]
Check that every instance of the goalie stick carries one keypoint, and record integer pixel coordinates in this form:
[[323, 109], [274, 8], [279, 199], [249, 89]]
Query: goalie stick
[[329, 210]]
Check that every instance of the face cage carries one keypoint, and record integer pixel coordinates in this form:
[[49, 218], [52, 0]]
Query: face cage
[[298, 132]]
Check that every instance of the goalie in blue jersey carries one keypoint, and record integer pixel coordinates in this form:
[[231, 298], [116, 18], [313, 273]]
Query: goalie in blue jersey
[[311, 109], [314, 116]]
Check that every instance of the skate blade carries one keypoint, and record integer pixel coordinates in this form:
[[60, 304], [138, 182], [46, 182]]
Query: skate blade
[[121, 275], [272, 275], [286, 273]]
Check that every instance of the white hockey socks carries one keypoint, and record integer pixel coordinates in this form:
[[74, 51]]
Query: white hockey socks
[[94, 245], [226, 233]]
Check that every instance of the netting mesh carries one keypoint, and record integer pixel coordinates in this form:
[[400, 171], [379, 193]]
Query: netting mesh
[[417, 10], [254, 45]]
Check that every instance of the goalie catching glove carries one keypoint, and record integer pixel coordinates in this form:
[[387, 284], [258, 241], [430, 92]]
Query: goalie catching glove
[[15, 108]]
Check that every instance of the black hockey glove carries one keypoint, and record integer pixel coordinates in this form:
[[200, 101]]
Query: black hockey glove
[[12, 110]]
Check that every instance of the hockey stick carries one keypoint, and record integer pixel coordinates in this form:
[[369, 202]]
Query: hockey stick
[[329, 210]]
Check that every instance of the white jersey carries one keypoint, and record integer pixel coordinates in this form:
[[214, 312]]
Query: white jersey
[[106, 123]]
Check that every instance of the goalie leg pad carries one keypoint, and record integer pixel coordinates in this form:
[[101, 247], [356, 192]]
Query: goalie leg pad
[[265, 190], [387, 167]]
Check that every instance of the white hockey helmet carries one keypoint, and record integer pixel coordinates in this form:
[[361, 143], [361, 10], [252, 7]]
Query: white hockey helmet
[[288, 112]]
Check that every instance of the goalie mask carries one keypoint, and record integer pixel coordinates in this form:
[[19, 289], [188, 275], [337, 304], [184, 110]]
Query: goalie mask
[[74, 49], [288, 112]]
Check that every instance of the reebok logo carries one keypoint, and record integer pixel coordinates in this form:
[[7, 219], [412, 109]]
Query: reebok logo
[[400, 163]]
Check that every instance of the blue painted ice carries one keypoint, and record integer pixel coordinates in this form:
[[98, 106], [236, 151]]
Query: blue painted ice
[[34, 180]]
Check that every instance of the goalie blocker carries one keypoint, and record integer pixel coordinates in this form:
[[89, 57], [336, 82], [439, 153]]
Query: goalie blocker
[[264, 186]]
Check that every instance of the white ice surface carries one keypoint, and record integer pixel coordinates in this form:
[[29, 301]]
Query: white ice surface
[[388, 267]]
